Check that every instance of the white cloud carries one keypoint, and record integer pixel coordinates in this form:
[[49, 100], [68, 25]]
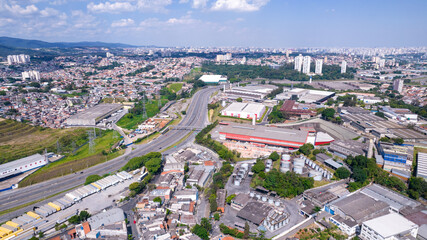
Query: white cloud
[[199, 3], [48, 12], [153, 5], [5, 21], [239, 5], [115, 7], [182, 20], [123, 23], [18, 10]]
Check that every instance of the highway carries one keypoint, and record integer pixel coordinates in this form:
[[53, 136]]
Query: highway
[[196, 116]]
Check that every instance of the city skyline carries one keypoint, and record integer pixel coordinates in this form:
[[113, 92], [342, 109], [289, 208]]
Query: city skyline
[[219, 23]]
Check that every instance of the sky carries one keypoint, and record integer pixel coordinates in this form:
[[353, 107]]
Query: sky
[[220, 23]]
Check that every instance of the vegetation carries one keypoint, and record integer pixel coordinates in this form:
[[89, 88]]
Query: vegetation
[[220, 178], [236, 72], [274, 156], [76, 161], [230, 198], [141, 70], [134, 117], [259, 166], [349, 100], [317, 233], [18, 140], [138, 187], [231, 231], [277, 116], [92, 178], [76, 219], [138, 162], [342, 173], [203, 138], [287, 184], [202, 230], [306, 149]]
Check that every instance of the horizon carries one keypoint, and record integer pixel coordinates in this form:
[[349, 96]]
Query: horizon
[[220, 23]]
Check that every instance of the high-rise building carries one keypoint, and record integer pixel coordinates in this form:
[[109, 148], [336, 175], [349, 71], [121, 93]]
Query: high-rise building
[[32, 75], [343, 66], [22, 58], [298, 63], [326, 59], [382, 63], [306, 65], [223, 58], [398, 85], [319, 65]]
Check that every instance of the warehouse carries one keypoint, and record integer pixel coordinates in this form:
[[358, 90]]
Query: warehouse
[[292, 109], [244, 110], [22, 165], [422, 165], [390, 226], [93, 115], [254, 92], [213, 79], [254, 212], [306, 95], [267, 135]]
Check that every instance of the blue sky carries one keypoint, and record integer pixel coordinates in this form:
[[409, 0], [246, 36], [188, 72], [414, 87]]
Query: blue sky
[[221, 23]]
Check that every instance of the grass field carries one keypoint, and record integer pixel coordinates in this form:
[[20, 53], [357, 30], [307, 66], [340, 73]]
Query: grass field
[[76, 162], [18, 140], [175, 87], [131, 121]]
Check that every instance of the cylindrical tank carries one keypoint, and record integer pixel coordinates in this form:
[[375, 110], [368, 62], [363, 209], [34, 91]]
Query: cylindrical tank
[[285, 164], [251, 194], [286, 157], [317, 167], [284, 169], [258, 196], [277, 203], [298, 162], [270, 201], [298, 170], [245, 166], [264, 198], [236, 182]]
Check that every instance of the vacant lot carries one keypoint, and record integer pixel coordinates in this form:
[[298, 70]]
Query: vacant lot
[[18, 140], [175, 87], [132, 119], [78, 161]]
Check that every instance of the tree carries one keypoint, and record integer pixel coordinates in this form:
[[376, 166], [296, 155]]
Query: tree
[[84, 215], [230, 198], [92, 178], [74, 219], [216, 216], [246, 232], [306, 148], [212, 203], [328, 113], [274, 156], [398, 141], [359, 175], [342, 173], [380, 114], [239, 99], [418, 185], [258, 166], [206, 224], [134, 187], [153, 165], [200, 232], [157, 199]]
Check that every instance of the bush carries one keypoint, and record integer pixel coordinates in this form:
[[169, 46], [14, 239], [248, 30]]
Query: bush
[[92, 178], [342, 173], [138, 162]]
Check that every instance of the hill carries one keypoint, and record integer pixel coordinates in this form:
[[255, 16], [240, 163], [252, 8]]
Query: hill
[[29, 43]]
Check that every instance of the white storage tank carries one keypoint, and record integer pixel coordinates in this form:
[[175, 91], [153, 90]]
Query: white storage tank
[[236, 182], [264, 198], [286, 157], [277, 203], [245, 166], [284, 169], [298, 162], [298, 170], [251, 194], [271, 201]]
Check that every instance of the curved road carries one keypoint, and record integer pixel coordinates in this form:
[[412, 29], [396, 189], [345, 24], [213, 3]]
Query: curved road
[[196, 117]]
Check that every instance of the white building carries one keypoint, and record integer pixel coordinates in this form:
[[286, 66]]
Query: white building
[[213, 79], [382, 63], [388, 227], [306, 65], [22, 58], [224, 58], [22, 165], [343, 66], [319, 65], [422, 165], [298, 63], [244, 110], [109, 55], [398, 85], [32, 75]]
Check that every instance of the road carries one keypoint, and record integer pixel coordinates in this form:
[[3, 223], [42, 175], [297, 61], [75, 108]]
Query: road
[[196, 116]]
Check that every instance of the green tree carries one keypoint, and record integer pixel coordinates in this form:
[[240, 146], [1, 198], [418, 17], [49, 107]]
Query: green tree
[[239, 99], [342, 173], [306, 148], [380, 114], [360, 175], [74, 219], [205, 223], [92, 178], [246, 231], [200, 232], [259, 166], [84, 215], [328, 113], [153, 165], [216, 216], [157, 199], [398, 141], [274, 156], [418, 185], [230, 198], [212, 203]]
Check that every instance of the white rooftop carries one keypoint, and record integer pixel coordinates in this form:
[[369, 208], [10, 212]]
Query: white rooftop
[[18, 163], [422, 165], [390, 225], [212, 78]]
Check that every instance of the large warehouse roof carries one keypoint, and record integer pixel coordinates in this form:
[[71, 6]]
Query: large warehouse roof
[[18, 163], [245, 107], [390, 225], [212, 78], [422, 165], [269, 134], [93, 114]]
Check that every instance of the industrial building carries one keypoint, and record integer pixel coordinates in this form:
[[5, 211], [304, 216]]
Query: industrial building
[[22, 165], [345, 148], [396, 201], [396, 156], [400, 114], [388, 227], [251, 92], [254, 212], [266, 135], [244, 110], [290, 108], [213, 79], [422, 165], [93, 115], [306, 95], [351, 211]]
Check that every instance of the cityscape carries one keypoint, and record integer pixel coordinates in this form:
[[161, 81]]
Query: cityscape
[[213, 119]]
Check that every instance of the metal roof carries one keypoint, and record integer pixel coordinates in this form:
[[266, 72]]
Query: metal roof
[[422, 165], [390, 225], [18, 163]]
